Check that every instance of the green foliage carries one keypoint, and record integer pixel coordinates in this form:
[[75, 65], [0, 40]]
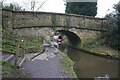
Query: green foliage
[[8, 41], [7, 69], [33, 43], [112, 37], [13, 6], [82, 8], [117, 7], [67, 66]]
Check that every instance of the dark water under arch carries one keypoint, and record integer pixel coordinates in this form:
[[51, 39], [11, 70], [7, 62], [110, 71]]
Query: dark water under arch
[[72, 37]]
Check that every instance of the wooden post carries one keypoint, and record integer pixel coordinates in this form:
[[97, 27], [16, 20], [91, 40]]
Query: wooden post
[[24, 45], [17, 53]]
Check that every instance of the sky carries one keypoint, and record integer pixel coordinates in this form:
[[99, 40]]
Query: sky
[[103, 6]]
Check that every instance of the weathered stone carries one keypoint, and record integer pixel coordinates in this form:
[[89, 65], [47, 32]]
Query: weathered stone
[[38, 25], [23, 19]]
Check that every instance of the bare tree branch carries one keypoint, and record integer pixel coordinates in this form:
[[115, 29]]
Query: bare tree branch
[[34, 5], [2, 3], [41, 5], [64, 0]]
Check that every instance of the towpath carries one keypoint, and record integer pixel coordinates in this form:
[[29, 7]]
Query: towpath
[[46, 65]]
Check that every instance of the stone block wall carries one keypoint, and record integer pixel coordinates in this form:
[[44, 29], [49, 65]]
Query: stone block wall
[[27, 19]]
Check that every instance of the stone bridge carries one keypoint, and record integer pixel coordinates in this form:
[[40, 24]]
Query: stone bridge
[[41, 24]]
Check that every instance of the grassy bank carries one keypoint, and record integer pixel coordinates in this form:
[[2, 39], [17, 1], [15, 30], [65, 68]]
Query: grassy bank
[[101, 49], [8, 41], [67, 66], [9, 71], [33, 43]]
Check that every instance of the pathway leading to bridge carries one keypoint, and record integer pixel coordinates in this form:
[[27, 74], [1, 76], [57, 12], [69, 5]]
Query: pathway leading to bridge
[[46, 65]]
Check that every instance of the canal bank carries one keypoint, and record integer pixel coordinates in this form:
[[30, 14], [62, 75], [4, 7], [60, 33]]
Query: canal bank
[[67, 66], [91, 66], [103, 51], [99, 52]]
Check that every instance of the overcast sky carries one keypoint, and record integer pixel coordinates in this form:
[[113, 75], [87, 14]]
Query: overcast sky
[[104, 6]]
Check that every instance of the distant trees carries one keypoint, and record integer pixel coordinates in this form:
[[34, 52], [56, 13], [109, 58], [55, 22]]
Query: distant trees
[[113, 32], [2, 3], [82, 8], [31, 5], [117, 7], [12, 6]]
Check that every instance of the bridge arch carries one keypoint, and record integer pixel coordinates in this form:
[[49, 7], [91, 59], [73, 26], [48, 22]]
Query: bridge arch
[[72, 37]]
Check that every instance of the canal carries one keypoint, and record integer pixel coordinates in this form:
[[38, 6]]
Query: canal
[[90, 66]]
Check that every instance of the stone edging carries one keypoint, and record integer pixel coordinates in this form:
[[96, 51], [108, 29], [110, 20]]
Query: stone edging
[[97, 54]]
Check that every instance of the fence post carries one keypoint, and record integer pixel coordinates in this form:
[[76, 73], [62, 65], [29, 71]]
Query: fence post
[[17, 52], [24, 43]]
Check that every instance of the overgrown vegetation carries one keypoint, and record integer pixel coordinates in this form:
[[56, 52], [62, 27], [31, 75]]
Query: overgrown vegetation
[[8, 41], [33, 43], [112, 37], [12, 6], [7, 69], [109, 41], [67, 66], [99, 48]]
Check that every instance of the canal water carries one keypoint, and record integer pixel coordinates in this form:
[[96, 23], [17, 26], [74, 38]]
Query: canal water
[[90, 66]]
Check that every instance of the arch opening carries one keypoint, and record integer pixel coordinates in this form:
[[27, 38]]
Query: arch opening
[[73, 39]]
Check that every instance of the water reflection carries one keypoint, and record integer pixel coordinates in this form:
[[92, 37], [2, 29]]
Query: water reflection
[[90, 66]]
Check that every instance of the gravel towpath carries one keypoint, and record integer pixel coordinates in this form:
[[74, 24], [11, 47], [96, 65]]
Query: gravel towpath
[[46, 65]]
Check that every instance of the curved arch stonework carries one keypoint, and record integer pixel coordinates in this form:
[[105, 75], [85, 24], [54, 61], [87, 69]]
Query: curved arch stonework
[[72, 37], [87, 36]]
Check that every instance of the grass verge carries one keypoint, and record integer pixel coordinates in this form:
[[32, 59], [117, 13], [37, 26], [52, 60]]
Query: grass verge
[[9, 71], [101, 49], [67, 66]]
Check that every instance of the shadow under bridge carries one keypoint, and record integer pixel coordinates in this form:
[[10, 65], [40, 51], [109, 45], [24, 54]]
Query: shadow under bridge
[[74, 40]]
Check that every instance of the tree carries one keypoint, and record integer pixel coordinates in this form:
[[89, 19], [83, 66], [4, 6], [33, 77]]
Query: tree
[[12, 6], [117, 7], [34, 5], [82, 8], [114, 28]]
